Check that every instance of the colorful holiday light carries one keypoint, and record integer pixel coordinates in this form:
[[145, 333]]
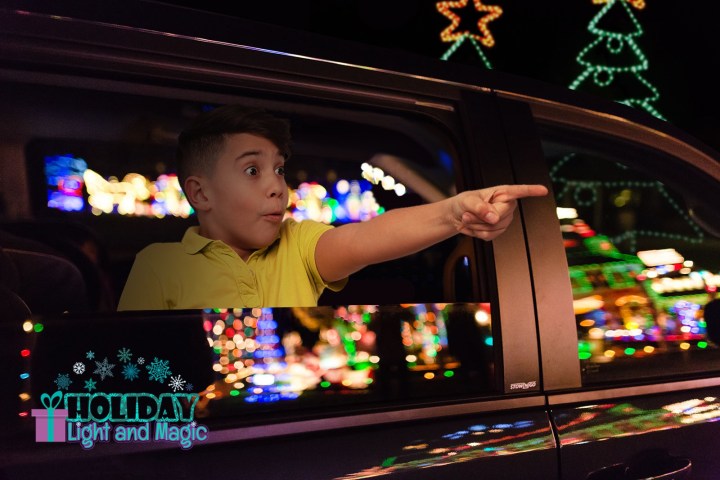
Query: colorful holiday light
[[453, 33], [626, 59], [68, 177]]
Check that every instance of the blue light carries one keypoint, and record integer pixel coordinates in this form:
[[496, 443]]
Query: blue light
[[268, 339], [64, 178], [445, 160]]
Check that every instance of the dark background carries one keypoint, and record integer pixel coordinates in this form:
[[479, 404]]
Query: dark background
[[534, 39]]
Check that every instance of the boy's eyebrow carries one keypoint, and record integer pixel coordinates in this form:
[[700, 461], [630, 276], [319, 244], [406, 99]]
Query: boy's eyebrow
[[248, 154], [251, 153]]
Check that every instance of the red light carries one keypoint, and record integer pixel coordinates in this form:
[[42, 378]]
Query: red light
[[23, 414], [25, 353], [207, 325]]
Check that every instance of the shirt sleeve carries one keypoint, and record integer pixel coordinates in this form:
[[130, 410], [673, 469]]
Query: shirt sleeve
[[143, 289]]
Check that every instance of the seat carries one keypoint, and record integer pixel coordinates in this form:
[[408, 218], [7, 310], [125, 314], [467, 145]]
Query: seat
[[45, 281]]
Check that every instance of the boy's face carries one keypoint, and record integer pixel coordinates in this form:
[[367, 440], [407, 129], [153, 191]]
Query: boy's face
[[246, 194]]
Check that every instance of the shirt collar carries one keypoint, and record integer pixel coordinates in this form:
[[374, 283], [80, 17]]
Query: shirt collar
[[193, 242]]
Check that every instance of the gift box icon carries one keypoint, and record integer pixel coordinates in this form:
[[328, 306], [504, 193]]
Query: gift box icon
[[50, 421]]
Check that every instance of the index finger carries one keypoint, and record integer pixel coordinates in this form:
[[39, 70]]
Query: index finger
[[506, 193]]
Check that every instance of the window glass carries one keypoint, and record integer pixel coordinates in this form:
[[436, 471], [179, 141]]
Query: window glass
[[396, 333], [642, 270], [315, 358]]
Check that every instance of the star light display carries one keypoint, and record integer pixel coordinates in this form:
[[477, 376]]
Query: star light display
[[613, 63], [453, 33]]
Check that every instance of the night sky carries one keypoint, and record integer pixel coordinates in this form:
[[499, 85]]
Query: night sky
[[535, 39]]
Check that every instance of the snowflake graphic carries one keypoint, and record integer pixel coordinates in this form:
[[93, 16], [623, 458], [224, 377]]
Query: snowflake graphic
[[90, 355], [90, 385], [63, 381], [176, 383], [189, 387], [124, 355], [159, 370], [104, 369], [141, 360], [79, 368], [130, 372]]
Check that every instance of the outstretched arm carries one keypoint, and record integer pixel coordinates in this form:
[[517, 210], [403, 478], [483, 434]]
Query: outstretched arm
[[483, 214]]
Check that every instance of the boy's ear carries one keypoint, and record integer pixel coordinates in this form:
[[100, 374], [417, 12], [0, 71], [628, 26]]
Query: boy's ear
[[194, 188]]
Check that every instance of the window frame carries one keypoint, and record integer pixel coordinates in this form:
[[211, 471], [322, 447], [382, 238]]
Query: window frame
[[62, 55], [524, 115]]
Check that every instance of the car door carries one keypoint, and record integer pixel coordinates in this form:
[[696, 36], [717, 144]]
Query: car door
[[624, 262], [440, 379]]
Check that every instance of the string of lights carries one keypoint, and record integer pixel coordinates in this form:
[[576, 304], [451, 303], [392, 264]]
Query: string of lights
[[614, 54], [454, 33]]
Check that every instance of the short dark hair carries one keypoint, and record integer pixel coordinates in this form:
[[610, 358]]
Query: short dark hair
[[200, 144]]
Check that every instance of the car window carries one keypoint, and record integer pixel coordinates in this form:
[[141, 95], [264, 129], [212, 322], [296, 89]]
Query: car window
[[276, 361], [417, 328], [642, 269]]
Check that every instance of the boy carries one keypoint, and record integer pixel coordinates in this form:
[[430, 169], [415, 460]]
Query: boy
[[231, 166]]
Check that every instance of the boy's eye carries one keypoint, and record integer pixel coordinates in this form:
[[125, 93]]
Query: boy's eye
[[252, 171], [280, 171]]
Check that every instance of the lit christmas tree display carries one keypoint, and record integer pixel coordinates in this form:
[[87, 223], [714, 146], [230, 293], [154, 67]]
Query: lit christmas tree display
[[458, 36], [584, 193], [613, 63]]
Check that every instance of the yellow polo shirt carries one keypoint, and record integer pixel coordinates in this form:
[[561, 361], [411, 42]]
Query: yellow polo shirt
[[199, 272]]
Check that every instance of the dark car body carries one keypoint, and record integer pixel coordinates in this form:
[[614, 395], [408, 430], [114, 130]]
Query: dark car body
[[521, 405]]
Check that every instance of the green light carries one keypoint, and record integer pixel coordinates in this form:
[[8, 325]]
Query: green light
[[325, 384], [489, 341], [38, 327], [453, 48], [217, 350], [702, 344], [583, 346], [368, 381], [449, 373], [626, 59], [234, 393], [584, 355], [568, 186], [629, 351]]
